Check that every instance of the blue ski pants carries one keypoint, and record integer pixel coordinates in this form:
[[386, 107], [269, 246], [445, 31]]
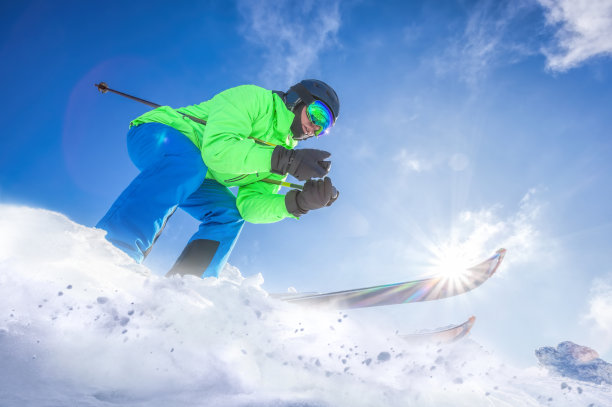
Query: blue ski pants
[[172, 175]]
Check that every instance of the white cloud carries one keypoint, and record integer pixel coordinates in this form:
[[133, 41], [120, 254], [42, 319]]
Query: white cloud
[[485, 42], [475, 234], [410, 162], [428, 241], [293, 34], [599, 316], [495, 35], [361, 150], [584, 31]]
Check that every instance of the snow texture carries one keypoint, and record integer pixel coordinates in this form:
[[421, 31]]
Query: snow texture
[[575, 361], [82, 324]]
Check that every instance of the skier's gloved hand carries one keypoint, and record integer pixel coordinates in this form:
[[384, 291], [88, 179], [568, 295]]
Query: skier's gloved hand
[[335, 196], [303, 163], [315, 195]]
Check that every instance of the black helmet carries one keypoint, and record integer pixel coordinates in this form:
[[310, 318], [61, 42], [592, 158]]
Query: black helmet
[[309, 90]]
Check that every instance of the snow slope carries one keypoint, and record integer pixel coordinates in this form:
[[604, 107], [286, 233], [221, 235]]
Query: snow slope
[[81, 324]]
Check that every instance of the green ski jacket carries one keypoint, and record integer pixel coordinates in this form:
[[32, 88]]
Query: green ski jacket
[[244, 124]]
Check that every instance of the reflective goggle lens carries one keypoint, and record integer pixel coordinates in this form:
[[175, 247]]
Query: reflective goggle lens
[[319, 114]]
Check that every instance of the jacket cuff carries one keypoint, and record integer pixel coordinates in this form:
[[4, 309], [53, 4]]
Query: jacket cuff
[[291, 204], [281, 160]]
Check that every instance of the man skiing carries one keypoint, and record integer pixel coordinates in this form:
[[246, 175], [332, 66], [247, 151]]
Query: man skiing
[[188, 157]]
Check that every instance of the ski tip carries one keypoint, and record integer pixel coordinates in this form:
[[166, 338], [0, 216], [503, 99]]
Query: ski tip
[[497, 257], [501, 253], [468, 326]]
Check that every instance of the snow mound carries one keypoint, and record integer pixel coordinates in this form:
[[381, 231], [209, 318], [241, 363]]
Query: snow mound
[[82, 324], [575, 361]]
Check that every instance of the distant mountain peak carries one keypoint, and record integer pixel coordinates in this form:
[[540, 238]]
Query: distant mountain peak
[[575, 362]]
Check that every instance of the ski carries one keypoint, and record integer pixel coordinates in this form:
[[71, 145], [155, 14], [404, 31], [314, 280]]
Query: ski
[[429, 289], [442, 335]]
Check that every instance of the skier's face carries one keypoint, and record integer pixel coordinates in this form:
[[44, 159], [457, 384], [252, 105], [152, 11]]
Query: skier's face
[[309, 127], [305, 126]]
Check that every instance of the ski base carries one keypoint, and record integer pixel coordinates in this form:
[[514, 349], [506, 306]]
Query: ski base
[[429, 289], [442, 335]]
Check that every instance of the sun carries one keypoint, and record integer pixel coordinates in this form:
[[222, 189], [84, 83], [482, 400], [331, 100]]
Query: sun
[[452, 262]]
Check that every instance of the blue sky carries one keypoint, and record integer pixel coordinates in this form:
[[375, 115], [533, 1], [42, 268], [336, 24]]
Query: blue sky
[[464, 127]]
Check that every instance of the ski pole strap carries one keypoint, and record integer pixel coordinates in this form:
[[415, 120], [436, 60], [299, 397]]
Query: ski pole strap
[[103, 88], [283, 183]]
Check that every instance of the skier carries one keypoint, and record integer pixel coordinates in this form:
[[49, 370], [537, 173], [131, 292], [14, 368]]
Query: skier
[[188, 157]]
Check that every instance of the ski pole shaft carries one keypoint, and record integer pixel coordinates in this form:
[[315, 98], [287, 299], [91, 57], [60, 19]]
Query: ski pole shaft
[[103, 88], [283, 183]]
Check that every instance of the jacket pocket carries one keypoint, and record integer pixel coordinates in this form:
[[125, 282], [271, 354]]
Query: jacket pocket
[[238, 178]]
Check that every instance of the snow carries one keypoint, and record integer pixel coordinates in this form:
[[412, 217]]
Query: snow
[[82, 324]]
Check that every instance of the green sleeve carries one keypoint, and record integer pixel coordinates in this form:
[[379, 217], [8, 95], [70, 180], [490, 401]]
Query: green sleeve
[[260, 202], [226, 147]]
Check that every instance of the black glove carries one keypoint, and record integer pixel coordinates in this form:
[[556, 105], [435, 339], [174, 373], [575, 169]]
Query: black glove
[[303, 163], [316, 194]]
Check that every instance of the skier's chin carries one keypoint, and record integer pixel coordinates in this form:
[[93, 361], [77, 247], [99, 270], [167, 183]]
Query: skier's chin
[[303, 134], [302, 137], [299, 135], [297, 130]]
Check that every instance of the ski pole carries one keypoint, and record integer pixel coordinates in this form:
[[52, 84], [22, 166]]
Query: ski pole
[[283, 183], [103, 88]]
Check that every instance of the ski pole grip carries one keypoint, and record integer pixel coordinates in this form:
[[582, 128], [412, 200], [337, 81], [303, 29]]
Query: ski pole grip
[[102, 87]]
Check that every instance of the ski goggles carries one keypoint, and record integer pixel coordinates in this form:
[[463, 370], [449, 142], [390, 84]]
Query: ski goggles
[[319, 114]]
